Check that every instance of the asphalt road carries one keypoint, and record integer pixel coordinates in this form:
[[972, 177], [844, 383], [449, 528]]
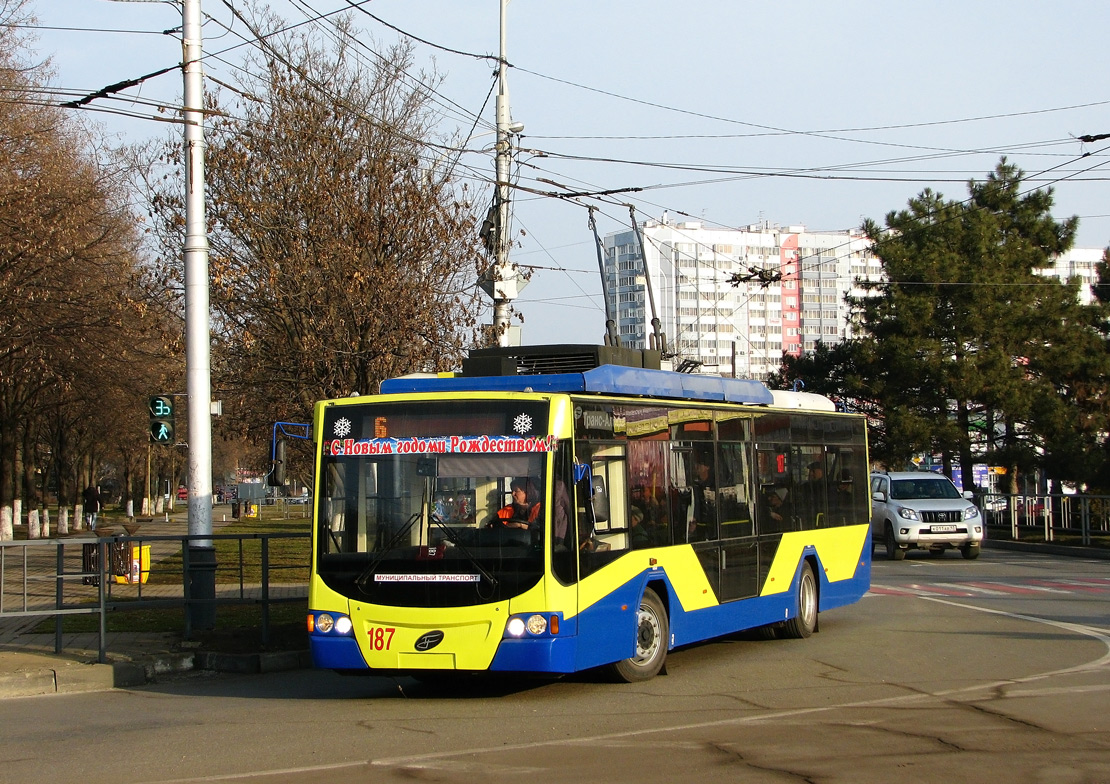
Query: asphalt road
[[950, 671]]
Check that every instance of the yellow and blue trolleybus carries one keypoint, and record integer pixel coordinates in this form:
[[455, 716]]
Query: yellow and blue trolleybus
[[551, 517]]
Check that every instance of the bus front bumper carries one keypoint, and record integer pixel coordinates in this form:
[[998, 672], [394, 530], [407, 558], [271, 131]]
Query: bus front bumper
[[542, 655]]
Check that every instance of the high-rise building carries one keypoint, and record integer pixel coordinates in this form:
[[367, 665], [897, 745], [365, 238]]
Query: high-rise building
[[733, 301]]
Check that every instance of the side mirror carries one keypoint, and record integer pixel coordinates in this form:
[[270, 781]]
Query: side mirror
[[277, 475], [969, 495], [878, 495]]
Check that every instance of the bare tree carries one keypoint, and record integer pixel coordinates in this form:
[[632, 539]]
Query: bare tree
[[77, 324], [336, 258]]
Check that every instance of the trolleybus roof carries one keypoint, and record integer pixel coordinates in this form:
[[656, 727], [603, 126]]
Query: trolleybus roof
[[605, 379]]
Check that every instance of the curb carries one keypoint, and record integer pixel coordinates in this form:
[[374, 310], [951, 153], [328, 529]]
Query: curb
[[253, 663], [37, 675], [1047, 547], [32, 677]]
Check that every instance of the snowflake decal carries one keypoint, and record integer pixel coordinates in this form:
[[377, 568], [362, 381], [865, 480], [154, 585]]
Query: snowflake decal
[[522, 423], [342, 427]]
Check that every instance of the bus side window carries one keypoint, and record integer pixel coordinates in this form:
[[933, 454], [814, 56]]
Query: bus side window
[[609, 537], [775, 514], [647, 461], [610, 465]]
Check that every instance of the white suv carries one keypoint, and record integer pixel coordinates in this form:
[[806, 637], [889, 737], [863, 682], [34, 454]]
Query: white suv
[[920, 509]]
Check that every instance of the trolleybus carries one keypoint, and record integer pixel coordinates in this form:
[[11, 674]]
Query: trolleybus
[[551, 515]]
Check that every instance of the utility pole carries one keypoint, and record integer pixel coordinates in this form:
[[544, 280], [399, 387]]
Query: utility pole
[[503, 282], [198, 368]]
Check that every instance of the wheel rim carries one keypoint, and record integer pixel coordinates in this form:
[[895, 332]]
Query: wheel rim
[[807, 600], [647, 636]]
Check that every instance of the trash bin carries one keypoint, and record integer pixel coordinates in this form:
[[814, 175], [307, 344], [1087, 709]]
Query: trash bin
[[118, 561], [235, 510], [137, 565]]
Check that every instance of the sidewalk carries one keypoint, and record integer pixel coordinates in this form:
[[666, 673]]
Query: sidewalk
[[30, 667]]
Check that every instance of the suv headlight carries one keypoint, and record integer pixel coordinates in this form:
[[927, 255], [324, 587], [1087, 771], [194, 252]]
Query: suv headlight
[[907, 513], [970, 513]]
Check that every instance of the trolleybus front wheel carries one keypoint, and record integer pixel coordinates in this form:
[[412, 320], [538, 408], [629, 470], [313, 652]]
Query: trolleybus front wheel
[[652, 636]]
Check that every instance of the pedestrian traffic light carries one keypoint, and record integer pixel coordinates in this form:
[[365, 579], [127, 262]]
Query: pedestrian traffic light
[[161, 419]]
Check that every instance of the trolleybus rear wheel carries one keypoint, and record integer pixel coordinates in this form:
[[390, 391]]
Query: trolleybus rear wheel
[[804, 622]]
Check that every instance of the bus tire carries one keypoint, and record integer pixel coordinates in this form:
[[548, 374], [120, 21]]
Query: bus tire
[[769, 631], [652, 637], [804, 622]]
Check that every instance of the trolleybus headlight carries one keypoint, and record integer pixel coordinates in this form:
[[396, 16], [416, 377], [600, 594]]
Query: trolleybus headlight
[[537, 624], [343, 625], [324, 623], [515, 627]]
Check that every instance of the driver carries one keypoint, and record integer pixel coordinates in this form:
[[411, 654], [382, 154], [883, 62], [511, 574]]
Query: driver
[[524, 509]]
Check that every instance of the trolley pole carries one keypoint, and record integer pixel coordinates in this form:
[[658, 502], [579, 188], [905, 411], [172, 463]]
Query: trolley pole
[[202, 576], [503, 281]]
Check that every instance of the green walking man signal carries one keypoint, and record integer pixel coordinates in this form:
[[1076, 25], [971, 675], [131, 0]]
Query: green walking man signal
[[161, 420]]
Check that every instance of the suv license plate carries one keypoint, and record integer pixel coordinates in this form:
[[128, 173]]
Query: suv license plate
[[942, 529]]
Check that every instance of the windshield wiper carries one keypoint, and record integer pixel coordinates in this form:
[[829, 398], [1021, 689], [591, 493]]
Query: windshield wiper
[[455, 541], [368, 572]]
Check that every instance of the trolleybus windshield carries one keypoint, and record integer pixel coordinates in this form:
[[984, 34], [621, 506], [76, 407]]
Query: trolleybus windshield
[[411, 495]]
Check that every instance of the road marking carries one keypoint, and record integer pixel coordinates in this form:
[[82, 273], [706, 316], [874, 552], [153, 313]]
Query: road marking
[[982, 589], [990, 588], [1002, 588], [1064, 586]]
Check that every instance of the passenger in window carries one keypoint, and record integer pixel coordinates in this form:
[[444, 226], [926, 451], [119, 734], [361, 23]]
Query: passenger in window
[[843, 499], [524, 511], [655, 506], [774, 510], [703, 525], [812, 493], [638, 534]]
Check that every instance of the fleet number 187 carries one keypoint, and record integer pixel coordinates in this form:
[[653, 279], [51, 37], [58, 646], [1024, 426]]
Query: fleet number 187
[[380, 637]]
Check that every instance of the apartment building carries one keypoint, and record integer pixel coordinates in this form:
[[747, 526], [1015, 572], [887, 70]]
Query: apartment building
[[733, 301]]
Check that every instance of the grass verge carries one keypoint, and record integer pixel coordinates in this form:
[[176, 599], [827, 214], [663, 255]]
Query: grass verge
[[242, 559]]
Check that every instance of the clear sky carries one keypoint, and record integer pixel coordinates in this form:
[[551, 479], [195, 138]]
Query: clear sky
[[816, 112]]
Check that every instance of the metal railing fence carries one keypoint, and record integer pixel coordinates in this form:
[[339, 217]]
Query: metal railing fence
[[1051, 517], [46, 578]]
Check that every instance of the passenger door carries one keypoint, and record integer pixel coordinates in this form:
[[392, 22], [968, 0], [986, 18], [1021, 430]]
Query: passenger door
[[739, 546]]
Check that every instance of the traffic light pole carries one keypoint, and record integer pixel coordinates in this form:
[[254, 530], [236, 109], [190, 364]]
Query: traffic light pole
[[202, 554]]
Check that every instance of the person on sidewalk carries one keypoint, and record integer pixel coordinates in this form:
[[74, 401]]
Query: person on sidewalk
[[91, 498]]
